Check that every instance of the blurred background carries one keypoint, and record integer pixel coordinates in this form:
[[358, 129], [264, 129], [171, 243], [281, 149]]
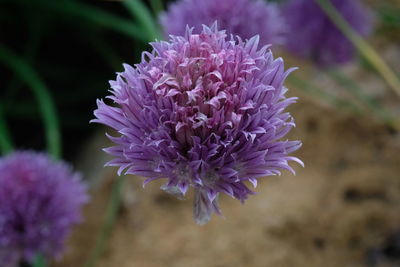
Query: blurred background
[[342, 209]]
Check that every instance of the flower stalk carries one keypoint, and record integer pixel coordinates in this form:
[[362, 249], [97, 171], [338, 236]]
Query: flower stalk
[[361, 45], [109, 221], [6, 144]]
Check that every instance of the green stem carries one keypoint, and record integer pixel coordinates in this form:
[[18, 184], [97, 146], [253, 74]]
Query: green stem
[[97, 16], [6, 144], [39, 261], [310, 89], [157, 6], [389, 14], [35, 34], [43, 97], [368, 101], [139, 11], [362, 46], [111, 216], [105, 50]]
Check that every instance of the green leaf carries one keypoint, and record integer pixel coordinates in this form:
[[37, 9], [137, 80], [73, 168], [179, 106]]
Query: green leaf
[[313, 90], [42, 94], [390, 16], [39, 261], [109, 221], [352, 87], [97, 16], [141, 13], [157, 6], [6, 145]]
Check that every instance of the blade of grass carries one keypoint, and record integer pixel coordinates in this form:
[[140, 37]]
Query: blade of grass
[[111, 216], [353, 88], [311, 89], [6, 144], [97, 16], [362, 46], [141, 13], [43, 97]]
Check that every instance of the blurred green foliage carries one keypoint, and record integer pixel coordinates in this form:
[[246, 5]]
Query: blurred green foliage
[[64, 51]]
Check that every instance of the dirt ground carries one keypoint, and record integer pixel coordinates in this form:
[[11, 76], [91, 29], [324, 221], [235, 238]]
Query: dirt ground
[[342, 209]]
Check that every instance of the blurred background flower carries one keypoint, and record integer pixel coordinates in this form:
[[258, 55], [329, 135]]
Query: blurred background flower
[[245, 18], [40, 201], [312, 34]]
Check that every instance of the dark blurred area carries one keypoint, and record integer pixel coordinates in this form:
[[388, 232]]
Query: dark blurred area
[[74, 57]]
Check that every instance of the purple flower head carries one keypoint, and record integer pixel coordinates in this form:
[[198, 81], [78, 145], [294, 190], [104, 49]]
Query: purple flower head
[[245, 18], [40, 200], [202, 111], [313, 35]]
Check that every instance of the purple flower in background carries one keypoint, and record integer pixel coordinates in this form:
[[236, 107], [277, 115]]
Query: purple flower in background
[[202, 111], [313, 35], [40, 200], [245, 18]]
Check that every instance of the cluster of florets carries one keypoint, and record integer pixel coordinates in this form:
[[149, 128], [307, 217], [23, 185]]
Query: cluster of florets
[[202, 111], [40, 200]]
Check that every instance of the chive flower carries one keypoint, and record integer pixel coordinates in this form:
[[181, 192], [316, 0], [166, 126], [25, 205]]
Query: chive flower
[[245, 18], [201, 111], [40, 201], [312, 35]]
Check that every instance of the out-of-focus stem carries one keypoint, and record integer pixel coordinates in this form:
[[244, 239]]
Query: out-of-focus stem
[[96, 16], [43, 97], [31, 48], [311, 89], [356, 91], [6, 145], [110, 56], [39, 261], [157, 6], [361, 45], [111, 215], [139, 11]]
